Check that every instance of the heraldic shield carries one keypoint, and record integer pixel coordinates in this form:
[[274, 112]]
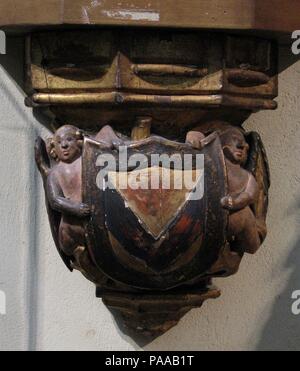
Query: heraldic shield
[[149, 229]]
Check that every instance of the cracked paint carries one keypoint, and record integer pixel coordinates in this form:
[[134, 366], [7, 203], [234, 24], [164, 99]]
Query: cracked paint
[[135, 15], [123, 11]]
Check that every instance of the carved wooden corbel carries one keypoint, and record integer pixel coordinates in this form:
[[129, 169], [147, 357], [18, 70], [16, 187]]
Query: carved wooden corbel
[[152, 253]]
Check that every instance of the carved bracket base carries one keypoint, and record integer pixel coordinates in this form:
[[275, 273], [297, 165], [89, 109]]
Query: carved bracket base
[[151, 315]]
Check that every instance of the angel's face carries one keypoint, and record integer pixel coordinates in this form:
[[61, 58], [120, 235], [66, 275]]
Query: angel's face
[[235, 146], [67, 147]]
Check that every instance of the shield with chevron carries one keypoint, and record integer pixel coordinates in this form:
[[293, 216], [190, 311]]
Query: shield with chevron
[[155, 203]]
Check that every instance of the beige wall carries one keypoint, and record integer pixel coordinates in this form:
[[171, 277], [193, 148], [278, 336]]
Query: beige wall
[[50, 309]]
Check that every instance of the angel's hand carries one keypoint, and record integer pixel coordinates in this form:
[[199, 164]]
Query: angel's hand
[[83, 211], [108, 138], [195, 138], [227, 202]]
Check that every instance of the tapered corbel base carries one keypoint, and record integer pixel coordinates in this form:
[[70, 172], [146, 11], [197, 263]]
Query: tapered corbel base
[[151, 315]]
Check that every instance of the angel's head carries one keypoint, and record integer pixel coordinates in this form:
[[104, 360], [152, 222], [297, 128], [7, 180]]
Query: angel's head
[[234, 145], [66, 145]]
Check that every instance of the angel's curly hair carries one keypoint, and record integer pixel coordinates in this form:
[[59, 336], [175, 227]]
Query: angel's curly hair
[[79, 135]]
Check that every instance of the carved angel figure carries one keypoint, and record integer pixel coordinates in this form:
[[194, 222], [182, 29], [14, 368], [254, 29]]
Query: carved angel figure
[[245, 231], [247, 199], [60, 164]]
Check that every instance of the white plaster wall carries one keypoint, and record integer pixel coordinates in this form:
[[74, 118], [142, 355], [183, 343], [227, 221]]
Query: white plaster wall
[[49, 308]]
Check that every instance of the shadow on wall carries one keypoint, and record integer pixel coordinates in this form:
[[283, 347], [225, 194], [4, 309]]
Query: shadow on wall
[[13, 64], [282, 330], [13, 59]]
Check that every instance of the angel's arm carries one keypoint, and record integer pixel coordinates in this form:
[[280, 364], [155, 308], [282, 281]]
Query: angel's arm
[[246, 198], [61, 204]]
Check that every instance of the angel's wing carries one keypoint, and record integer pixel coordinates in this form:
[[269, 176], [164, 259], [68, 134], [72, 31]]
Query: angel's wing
[[258, 165], [43, 164]]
